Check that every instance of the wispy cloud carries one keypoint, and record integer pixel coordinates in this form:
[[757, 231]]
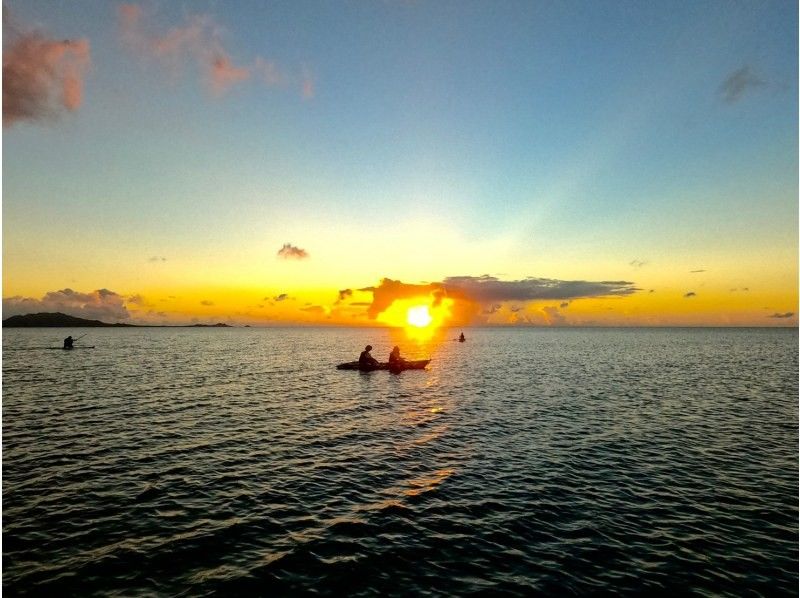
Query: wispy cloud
[[290, 252], [738, 83], [689, 295], [197, 43], [307, 83], [696, 271], [101, 304], [206, 302], [157, 258], [637, 263], [344, 294], [136, 300], [553, 316], [42, 76], [784, 315]]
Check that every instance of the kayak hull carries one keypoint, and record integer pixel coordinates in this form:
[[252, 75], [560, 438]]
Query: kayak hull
[[406, 365], [68, 348]]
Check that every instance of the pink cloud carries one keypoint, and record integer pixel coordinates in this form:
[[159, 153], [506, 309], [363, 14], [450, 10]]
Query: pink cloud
[[223, 74], [197, 43], [42, 76], [308, 84], [290, 252]]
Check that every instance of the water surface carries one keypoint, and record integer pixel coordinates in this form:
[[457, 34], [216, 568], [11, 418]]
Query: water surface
[[195, 461]]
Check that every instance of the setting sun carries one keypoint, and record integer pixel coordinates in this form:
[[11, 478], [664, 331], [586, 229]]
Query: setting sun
[[419, 316]]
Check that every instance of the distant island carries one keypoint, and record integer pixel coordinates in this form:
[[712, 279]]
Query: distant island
[[59, 320]]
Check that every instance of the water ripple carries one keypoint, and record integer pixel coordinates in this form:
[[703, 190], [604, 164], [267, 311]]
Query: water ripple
[[521, 462]]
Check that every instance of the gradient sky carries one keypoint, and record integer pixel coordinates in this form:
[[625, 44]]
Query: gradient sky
[[650, 143]]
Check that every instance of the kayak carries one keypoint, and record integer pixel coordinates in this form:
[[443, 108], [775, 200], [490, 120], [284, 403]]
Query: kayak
[[68, 348], [406, 365]]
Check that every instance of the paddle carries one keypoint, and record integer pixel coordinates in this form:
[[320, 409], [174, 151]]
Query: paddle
[[74, 340]]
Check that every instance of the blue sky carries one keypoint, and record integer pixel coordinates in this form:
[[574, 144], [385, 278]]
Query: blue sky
[[575, 135]]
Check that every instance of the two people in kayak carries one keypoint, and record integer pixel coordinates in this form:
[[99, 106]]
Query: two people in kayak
[[367, 360]]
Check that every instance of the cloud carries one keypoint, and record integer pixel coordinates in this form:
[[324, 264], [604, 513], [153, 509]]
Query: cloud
[[474, 296], [281, 297], [197, 42], [268, 72], [388, 291], [637, 263], [485, 289], [743, 289], [157, 258], [553, 316], [695, 271], [307, 83], [224, 74], [136, 300], [290, 252], [206, 302], [689, 294], [101, 304], [42, 76], [738, 83], [787, 314], [343, 294]]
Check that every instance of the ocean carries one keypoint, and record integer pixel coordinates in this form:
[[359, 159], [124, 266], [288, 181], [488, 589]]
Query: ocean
[[180, 461]]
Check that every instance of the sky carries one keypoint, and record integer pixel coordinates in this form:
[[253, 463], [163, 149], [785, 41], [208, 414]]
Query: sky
[[505, 163]]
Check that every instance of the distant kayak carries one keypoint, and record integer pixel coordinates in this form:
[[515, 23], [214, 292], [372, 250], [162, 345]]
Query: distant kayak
[[406, 365], [68, 348]]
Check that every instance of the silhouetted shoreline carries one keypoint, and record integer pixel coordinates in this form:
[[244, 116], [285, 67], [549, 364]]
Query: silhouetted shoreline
[[59, 320]]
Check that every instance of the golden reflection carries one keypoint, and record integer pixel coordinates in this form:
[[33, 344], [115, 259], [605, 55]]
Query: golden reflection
[[427, 483]]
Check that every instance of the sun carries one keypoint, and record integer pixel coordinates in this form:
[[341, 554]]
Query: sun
[[419, 316]]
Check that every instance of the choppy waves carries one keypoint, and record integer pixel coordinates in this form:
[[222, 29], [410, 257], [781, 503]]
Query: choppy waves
[[197, 462]]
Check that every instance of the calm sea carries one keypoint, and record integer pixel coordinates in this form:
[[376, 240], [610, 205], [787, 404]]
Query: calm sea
[[240, 461]]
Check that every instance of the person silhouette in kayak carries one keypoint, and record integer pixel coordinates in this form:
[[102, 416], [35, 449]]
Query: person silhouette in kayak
[[395, 359], [461, 338], [365, 359], [68, 342]]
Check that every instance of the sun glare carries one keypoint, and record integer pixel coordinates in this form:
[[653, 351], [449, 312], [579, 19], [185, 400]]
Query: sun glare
[[419, 316]]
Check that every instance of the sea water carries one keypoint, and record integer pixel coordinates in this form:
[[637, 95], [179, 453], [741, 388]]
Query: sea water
[[185, 461]]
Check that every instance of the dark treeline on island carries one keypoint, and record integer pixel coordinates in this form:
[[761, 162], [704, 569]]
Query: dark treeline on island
[[59, 320]]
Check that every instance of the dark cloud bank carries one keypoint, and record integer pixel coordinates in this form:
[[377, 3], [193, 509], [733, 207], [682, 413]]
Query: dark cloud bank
[[478, 296]]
